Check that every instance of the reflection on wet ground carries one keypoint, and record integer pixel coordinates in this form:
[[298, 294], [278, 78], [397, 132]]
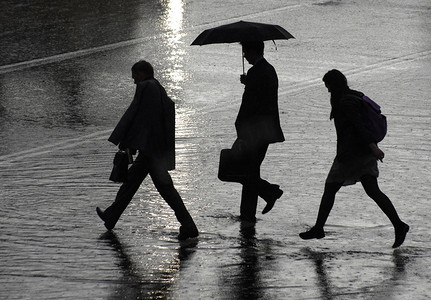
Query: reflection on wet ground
[[379, 289], [65, 81], [37, 29], [141, 284]]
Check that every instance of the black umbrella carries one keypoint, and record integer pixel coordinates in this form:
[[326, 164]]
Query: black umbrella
[[242, 32]]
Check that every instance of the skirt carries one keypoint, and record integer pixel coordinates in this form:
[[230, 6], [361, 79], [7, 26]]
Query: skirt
[[351, 171]]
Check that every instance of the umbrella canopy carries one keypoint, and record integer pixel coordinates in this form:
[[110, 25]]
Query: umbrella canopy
[[242, 32]]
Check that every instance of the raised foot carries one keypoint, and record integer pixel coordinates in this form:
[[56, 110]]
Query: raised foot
[[270, 203]]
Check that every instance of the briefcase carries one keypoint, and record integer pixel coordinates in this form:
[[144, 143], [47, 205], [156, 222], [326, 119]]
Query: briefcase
[[233, 166], [120, 168]]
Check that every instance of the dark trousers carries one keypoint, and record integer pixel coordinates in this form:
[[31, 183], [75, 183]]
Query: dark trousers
[[254, 186], [141, 167]]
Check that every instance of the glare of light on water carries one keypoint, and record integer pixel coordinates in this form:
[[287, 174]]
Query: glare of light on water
[[174, 23], [174, 19]]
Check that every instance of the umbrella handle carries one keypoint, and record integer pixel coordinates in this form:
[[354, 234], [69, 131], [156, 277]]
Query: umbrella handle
[[243, 68]]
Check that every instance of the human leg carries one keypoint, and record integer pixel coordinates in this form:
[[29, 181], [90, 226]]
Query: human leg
[[136, 174], [327, 202], [372, 189], [249, 197], [270, 193], [165, 186], [267, 191], [325, 208], [250, 189]]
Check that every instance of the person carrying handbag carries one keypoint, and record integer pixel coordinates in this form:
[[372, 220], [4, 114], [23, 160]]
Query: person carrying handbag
[[257, 126], [148, 126]]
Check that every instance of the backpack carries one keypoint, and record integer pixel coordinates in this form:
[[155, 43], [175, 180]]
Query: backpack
[[377, 123]]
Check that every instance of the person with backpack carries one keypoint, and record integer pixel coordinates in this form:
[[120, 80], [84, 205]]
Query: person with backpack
[[356, 158]]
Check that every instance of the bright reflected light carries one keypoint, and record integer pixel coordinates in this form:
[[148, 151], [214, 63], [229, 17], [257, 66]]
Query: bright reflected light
[[174, 19], [174, 24]]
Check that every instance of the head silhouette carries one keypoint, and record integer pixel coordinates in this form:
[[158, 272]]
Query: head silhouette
[[252, 50], [337, 85], [336, 82], [142, 70]]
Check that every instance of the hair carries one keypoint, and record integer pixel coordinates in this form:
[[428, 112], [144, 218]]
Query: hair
[[336, 80], [144, 67], [257, 46], [338, 84]]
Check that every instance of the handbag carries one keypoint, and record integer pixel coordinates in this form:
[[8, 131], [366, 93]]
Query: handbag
[[234, 164], [121, 166]]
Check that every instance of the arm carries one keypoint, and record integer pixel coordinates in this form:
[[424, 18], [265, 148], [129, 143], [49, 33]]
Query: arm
[[126, 120], [377, 152]]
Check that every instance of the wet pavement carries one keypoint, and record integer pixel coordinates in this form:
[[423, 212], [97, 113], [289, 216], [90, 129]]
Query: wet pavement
[[65, 81]]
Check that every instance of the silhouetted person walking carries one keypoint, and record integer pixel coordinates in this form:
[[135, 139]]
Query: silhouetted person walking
[[148, 125], [257, 126], [356, 159]]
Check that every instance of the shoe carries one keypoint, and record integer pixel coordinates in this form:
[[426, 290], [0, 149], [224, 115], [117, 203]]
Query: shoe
[[270, 203], [108, 224], [313, 233], [188, 232], [400, 235]]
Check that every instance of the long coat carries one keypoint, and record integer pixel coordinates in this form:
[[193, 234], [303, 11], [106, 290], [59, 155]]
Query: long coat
[[258, 119], [148, 125]]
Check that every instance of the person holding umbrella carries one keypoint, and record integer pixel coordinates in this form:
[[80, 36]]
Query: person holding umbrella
[[258, 125]]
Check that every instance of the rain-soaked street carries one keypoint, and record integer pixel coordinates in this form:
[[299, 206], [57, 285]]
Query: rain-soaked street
[[65, 81]]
